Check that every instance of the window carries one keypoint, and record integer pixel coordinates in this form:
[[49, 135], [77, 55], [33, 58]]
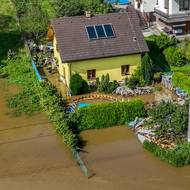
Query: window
[[125, 70], [166, 4], [91, 74], [100, 31], [184, 5]]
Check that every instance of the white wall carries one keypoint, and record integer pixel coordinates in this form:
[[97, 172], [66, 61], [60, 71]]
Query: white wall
[[160, 6], [148, 5], [173, 7]]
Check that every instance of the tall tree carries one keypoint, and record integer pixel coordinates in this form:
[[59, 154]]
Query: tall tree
[[35, 22], [147, 69]]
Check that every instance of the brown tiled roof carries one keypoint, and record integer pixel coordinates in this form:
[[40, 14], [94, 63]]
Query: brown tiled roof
[[73, 43], [137, 16]]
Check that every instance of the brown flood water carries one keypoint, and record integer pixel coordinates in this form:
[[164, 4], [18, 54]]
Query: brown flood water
[[33, 157], [116, 155]]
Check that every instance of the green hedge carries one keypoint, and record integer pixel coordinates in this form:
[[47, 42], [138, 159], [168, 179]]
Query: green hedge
[[109, 114], [36, 96], [178, 156]]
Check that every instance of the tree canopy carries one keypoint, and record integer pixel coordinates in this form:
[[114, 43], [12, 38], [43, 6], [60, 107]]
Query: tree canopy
[[78, 7]]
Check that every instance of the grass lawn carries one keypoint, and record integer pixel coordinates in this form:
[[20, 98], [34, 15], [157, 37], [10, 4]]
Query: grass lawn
[[10, 37]]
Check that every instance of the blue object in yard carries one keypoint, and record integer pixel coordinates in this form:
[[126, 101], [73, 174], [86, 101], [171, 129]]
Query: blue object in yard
[[73, 106], [82, 105], [180, 92], [120, 2], [36, 71], [70, 110]]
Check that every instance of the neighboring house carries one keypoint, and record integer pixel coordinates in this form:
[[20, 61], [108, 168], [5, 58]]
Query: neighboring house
[[146, 7], [96, 45], [173, 15]]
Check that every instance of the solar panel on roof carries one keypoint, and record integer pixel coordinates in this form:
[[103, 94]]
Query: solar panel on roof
[[100, 31], [109, 30], [91, 32]]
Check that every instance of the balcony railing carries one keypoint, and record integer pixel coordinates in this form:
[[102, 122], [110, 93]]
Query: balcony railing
[[181, 17]]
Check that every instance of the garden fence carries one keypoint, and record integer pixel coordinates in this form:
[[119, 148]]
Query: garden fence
[[80, 162]]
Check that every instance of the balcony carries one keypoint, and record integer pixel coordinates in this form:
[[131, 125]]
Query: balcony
[[182, 17]]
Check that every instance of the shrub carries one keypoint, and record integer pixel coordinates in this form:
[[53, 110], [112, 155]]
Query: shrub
[[178, 156], [133, 82], [78, 85], [105, 85], [175, 56], [136, 80], [112, 86], [169, 116], [164, 41], [157, 77], [109, 114]]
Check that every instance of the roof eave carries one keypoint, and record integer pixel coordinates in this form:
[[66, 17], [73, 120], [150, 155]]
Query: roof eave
[[64, 61]]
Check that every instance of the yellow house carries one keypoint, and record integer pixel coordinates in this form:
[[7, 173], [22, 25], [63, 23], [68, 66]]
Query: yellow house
[[96, 45]]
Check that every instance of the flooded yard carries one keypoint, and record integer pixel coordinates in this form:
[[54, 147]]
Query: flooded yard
[[33, 157], [116, 155], [160, 93]]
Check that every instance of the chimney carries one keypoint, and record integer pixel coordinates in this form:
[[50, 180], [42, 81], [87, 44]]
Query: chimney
[[88, 14]]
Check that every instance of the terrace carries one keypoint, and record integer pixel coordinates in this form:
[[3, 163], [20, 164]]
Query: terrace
[[182, 17]]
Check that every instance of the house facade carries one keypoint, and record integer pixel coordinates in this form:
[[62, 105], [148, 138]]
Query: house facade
[[96, 45], [145, 5], [173, 15]]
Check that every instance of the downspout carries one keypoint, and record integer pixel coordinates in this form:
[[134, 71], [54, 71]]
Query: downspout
[[69, 77], [68, 82]]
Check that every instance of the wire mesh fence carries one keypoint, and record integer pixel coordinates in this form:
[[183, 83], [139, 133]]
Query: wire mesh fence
[[80, 162]]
